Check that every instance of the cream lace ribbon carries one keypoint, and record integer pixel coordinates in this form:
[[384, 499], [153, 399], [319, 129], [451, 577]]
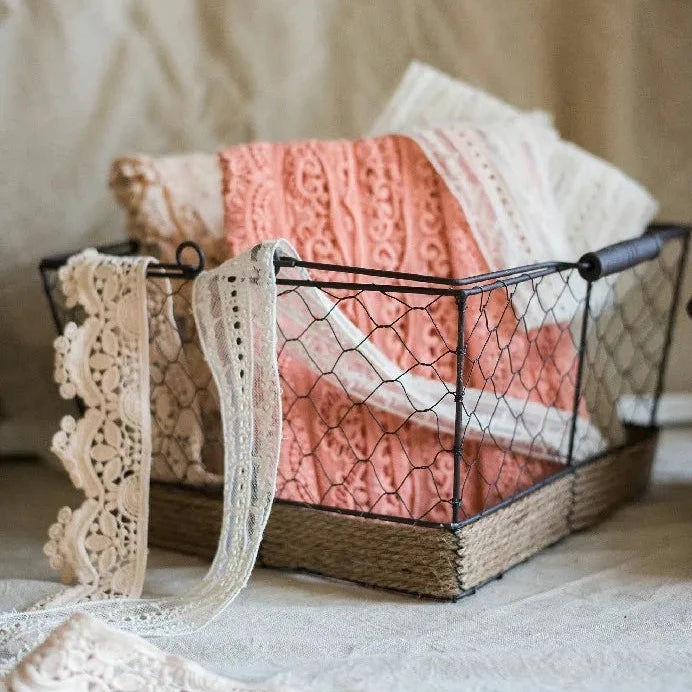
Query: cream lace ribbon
[[234, 308], [101, 546], [107, 361], [84, 654]]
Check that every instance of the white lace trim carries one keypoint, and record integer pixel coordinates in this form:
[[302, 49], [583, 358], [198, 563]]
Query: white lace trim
[[583, 200], [234, 307], [85, 654], [102, 545]]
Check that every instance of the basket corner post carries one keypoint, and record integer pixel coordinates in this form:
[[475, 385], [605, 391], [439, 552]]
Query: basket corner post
[[670, 326], [581, 357], [459, 406]]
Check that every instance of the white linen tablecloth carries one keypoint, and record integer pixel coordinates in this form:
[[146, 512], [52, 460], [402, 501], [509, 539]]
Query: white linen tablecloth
[[609, 608]]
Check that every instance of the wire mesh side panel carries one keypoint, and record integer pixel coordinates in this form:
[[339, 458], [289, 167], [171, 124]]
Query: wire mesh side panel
[[368, 380], [187, 441], [628, 333], [425, 404], [368, 404], [520, 371], [417, 437]]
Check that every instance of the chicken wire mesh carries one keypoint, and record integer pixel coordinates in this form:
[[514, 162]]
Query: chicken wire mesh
[[447, 399]]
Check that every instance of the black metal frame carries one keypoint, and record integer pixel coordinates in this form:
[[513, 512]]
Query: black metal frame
[[592, 267]]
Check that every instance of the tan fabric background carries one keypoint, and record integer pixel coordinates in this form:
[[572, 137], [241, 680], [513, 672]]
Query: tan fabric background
[[82, 82]]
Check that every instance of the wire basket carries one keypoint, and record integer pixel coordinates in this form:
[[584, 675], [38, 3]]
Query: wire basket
[[472, 423]]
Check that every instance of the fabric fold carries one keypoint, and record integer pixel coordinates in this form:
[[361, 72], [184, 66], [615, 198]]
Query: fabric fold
[[84, 654], [586, 202]]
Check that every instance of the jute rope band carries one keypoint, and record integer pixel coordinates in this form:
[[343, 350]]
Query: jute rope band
[[445, 562], [600, 486]]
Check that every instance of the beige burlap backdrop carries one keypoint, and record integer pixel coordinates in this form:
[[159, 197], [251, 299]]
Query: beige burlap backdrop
[[81, 82]]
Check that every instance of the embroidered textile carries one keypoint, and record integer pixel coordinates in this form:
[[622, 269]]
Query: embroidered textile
[[527, 194]]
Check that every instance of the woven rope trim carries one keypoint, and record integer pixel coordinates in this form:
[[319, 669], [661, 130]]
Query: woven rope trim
[[441, 563], [495, 543], [396, 556], [601, 486]]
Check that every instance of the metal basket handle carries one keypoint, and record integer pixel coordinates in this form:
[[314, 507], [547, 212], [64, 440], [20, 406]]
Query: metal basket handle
[[615, 258]]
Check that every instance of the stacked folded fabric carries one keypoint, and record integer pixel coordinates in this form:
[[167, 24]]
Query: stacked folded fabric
[[379, 203], [470, 185]]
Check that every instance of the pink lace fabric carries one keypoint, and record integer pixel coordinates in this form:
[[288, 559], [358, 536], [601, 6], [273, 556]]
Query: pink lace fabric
[[379, 203]]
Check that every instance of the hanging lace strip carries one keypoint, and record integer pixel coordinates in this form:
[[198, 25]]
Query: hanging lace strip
[[234, 309], [101, 546], [528, 195]]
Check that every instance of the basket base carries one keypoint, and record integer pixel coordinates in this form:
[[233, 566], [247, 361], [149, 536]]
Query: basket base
[[444, 562]]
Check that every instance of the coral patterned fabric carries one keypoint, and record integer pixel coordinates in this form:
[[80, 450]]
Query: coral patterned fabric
[[379, 203]]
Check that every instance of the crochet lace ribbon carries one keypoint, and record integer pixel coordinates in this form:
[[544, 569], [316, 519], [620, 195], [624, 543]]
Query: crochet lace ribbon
[[234, 309], [84, 654], [108, 452]]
